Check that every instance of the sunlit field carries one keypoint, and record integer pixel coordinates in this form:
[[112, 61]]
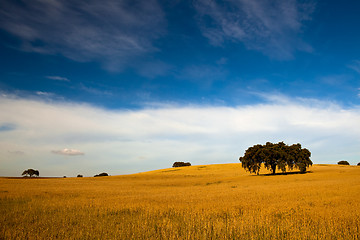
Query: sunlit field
[[197, 202]]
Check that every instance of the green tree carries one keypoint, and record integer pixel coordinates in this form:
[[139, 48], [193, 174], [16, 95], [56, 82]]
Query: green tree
[[276, 156], [102, 175], [30, 172], [181, 164], [343, 162]]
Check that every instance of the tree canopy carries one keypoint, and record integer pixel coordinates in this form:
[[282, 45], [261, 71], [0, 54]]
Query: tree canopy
[[276, 155], [181, 164], [30, 172], [343, 162], [102, 175]]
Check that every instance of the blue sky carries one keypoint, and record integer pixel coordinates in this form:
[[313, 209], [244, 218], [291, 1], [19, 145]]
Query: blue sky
[[128, 86]]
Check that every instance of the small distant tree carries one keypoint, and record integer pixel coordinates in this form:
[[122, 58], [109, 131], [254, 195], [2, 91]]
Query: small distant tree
[[79, 175], [181, 164], [102, 175], [274, 156], [358, 164], [30, 172], [25, 173], [343, 163]]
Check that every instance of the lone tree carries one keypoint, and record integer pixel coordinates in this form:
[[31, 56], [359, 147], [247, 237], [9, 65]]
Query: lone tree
[[343, 162], [102, 175], [276, 155], [30, 172], [181, 164]]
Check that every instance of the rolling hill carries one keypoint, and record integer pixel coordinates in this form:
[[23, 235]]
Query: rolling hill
[[198, 202]]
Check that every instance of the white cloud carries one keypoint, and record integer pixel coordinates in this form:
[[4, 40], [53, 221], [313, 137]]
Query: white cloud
[[44, 94], [137, 140], [58, 78], [271, 27], [69, 152], [111, 31]]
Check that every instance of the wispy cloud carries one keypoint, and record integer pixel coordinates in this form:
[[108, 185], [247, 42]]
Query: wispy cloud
[[153, 69], [44, 94], [58, 78], [205, 75], [113, 32], [335, 80], [16, 152], [68, 152], [151, 138], [355, 65], [271, 27], [95, 91]]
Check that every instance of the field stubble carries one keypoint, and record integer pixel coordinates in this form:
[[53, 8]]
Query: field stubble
[[199, 202]]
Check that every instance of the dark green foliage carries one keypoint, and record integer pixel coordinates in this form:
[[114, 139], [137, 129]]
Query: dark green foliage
[[101, 175], [181, 164], [79, 175], [344, 163], [30, 172], [358, 164], [274, 156]]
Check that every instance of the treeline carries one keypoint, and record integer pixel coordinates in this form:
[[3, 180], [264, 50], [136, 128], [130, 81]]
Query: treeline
[[272, 155], [32, 172]]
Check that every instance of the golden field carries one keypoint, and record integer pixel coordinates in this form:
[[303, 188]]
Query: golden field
[[198, 202]]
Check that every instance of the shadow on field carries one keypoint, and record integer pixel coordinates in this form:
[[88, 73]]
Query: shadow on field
[[283, 173]]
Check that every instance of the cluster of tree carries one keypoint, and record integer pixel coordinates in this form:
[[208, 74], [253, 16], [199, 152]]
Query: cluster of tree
[[102, 175], [30, 172], [274, 156], [79, 175], [343, 163], [181, 164]]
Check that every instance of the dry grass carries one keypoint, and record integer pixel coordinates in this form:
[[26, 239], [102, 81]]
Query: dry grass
[[198, 202]]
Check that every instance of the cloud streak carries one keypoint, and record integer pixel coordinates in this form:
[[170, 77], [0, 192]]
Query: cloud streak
[[68, 152], [271, 27], [131, 141], [355, 65], [111, 31], [58, 78]]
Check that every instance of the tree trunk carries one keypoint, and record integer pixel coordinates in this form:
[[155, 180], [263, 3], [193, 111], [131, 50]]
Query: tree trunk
[[273, 168]]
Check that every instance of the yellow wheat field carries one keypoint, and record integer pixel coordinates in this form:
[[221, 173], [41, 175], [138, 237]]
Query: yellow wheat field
[[198, 202]]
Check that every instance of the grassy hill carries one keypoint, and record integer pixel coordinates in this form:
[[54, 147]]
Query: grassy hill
[[198, 202]]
